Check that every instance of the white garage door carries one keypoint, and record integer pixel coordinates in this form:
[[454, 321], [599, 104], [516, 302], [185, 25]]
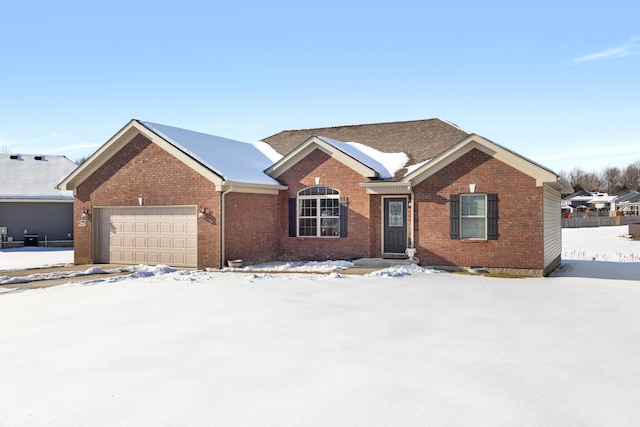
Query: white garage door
[[147, 235]]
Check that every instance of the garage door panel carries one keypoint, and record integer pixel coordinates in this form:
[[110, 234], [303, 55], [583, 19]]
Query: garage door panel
[[147, 235], [153, 257], [192, 259], [165, 243], [128, 257]]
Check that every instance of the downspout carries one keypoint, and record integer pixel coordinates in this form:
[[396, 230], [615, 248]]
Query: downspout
[[222, 220], [412, 233]]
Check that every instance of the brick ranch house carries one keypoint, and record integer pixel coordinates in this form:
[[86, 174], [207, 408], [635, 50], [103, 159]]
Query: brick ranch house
[[158, 194]]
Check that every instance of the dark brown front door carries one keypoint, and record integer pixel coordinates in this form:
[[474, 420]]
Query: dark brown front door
[[395, 225]]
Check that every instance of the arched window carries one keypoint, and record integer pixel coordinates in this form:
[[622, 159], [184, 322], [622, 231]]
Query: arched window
[[318, 212]]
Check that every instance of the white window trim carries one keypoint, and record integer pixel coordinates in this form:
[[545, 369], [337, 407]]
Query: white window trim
[[485, 217], [318, 217]]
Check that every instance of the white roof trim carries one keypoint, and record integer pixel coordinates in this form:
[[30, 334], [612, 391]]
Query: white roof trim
[[130, 131], [316, 143], [121, 139], [387, 187], [539, 173], [243, 187]]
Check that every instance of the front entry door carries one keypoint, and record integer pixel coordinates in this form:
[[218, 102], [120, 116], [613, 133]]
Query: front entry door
[[395, 225]]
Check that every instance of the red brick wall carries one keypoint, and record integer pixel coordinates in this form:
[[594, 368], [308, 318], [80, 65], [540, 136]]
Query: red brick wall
[[520, 224], [251, 227], [375, 226], [333, 174], [143, 169]]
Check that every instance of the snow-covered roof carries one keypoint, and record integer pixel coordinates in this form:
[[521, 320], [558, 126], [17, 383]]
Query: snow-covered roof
[[386, 164], [233, 160], [33, 177], [594, 198]]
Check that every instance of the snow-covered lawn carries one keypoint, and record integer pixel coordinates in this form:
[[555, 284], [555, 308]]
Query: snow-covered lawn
[[409, 347]]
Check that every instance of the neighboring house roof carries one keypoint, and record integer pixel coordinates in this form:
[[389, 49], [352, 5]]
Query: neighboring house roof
[[419, 139], [33, 177], [632, 200], [626, 195], [224, 161], [592, 199], [577, 194]]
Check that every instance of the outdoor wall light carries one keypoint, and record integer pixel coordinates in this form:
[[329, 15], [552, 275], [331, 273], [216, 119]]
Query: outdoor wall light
[[201, 212], [85, 213]]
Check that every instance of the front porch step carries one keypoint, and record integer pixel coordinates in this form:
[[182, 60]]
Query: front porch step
[[382, 262]]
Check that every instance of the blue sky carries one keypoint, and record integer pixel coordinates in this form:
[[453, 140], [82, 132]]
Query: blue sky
[[558, 82]]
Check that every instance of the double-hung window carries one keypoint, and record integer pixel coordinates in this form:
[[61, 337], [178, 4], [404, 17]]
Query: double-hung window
[[319, 212], [474, 216]]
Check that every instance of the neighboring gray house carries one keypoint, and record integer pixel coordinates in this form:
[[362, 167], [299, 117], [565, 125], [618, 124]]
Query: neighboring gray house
[[32, 211]]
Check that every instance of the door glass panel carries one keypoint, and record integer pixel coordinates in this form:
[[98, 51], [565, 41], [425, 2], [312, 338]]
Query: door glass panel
[[396, 214]]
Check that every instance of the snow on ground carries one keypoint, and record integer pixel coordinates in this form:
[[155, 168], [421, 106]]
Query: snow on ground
[[411, 346], [34, 257]]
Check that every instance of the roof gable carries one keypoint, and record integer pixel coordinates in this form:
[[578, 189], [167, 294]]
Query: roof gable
[[419, 139], [220, 160], [33, 177], [542, 175], [357, 161]]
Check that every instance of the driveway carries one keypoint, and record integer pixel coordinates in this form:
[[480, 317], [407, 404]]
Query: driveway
[[35, 278]]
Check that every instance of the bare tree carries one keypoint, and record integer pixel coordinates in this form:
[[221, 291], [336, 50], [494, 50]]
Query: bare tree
[[581, 180], [630, 179], [81, 160], [611, 179], [591, 181]]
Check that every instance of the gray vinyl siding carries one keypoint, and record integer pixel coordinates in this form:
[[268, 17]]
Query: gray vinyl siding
[[552, 226], [51, 219]]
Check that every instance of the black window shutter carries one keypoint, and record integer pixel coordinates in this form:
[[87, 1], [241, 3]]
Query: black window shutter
[[344, 213], [492, 216], [293, 217], [454, 216]]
